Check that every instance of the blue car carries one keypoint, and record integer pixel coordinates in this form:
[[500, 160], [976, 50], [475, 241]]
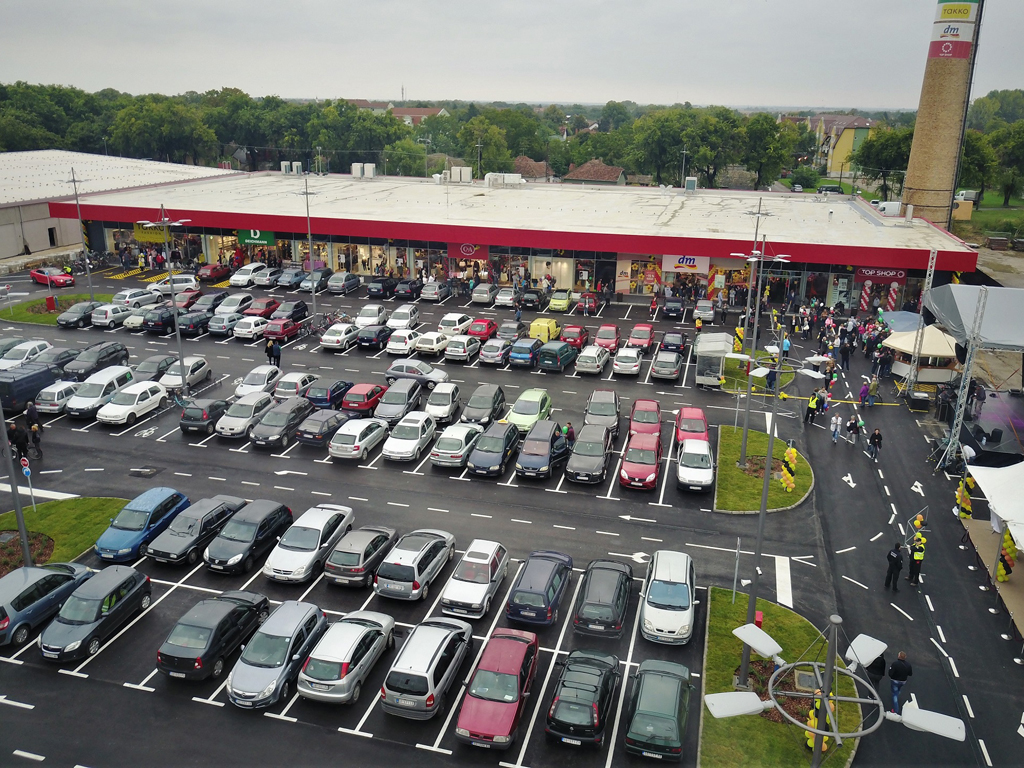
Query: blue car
[[324, 394], [291, 278], [537, 593], [140, 521], [30, 596], [524, 352]]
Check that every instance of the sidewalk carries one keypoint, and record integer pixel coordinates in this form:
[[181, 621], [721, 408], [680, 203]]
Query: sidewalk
[[49, 257]]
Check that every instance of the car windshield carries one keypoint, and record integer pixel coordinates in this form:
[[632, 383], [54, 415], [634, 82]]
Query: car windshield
[[369, 311], [527, 407], [628, 358], [529, 599], [124, 398], [559, 296], [343, 558], [694, 460], [266, 650], [449, 444], [606, 333], [669, 595], [277, 418], [588, 448], [571, 333], [89, 356], [494, 686], [474, 573], [300, 539], [319, 669], [148, 366], [639, 333], [90, 389], [535, 448], [130, 519], [640, 456], [255, 377], [175, 369], [240, 411], [601, 408], [406, 432], [573, 712], [673, 338], [439, 398], [646, 417], [406, 683], [481, 401], [488, 444], [318, 392], [238, 530], [691, 425], [16, 354], [184, 524], [80, 309], [79, 610], [187, 636]]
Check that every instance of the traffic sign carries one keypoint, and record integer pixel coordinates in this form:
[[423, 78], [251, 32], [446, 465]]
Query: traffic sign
[[24, 461], [27, 472]]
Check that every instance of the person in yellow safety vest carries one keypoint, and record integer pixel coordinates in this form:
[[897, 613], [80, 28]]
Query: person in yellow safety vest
[[699, 323], [916, 558]]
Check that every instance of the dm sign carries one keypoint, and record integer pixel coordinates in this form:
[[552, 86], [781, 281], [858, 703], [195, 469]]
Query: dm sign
[[698, 265], [255, 237]]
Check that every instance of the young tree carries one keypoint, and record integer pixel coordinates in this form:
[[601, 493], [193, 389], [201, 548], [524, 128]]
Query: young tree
[[406, 157], [883, 157], [767, 147], [806, 177], [1008, 143], [978, 164], [482, 139]]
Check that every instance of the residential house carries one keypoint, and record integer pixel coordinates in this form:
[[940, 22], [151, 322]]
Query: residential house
[[377, 107], [533, 170], [838, 136], [414, 115], [596, 172]]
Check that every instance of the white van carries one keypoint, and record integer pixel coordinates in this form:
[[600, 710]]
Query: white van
[[890, 208], [97, 390], [244, 276]]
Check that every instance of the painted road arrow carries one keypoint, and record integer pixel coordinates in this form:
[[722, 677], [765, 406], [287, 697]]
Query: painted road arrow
[[916, 488], [289, 472], [636, 557], [628, 518], [849, 481]]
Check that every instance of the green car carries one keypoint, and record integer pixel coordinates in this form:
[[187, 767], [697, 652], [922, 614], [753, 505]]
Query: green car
[[659, 705], [561, 301], [532, 406]]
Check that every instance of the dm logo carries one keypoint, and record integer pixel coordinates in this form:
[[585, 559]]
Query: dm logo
[[687, 263]]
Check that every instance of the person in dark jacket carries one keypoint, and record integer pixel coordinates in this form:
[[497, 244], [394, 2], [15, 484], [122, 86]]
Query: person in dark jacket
[[875, 444], [899, 671], [895, 558]]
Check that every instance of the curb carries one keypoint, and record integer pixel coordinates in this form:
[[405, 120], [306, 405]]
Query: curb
[[810, 489], [704, 676]]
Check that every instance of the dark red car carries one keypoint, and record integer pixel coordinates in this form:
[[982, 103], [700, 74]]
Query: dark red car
[[282, 329], [213, 273], [482, 328], [363, 398], [588, 303], [576, 336], [645, 418], [691, 424], [51, 276], [608, 337], [186, 299], [499, 692], [641, 465], [262, 307], [641, 337]]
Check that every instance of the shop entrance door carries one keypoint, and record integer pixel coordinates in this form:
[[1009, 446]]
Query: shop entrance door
[[561, 270]]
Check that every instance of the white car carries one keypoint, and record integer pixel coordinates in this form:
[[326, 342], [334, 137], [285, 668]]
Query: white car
[[667, 606], [236, 302], [371, 314], [403, 342], [52, 399], [23, 353], [262, 378], [627, 361], [135, 298], [134, 320], [196, 370], [132, 402], [454, 323], [443, 402], [250, 328], [245, 275], [695, 467], [462, 348], [432, 343], [593, 359], [293, 384], [339, 336], [455, 444], [476, 579], [410, 437], [301, 552], [357, 437], [406, 316], [244, 414]]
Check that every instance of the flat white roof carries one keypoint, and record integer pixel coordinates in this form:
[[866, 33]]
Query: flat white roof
[[27, 177]]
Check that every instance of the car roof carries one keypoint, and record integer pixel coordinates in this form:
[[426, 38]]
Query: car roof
[[644, 404], [604, 395], [18, 579], [208, 613], [543, 429], [295, 376], [696, 445], [446, 386], [356, 426], [287, 617], [644, 441], [602, 583], [504, 654], [291, 404], [455, 316], [535, 393], [415, 418], [251, 398], [102, 582], [484, 389], [140, 386], [460, 431], [257, 510], [148, 499], [645, 326], [357, 539], [689, 412], [499, 429], [317, 517], [480, 550], [537, 572], [360, 389], [671, 566], [591, 433], [408, 547], [667, 356]]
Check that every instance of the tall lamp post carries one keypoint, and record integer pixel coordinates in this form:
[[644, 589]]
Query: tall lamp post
[[81, 231], [426, 153], [26, 553], [309, 241], [166, 223]]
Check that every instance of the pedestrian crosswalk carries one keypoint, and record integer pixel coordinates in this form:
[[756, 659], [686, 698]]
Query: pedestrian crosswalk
[[159, 276], [123, 275]]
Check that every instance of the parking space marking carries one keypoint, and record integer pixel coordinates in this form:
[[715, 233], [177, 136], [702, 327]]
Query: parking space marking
[[28, 755], [558, 488], [564, 527], [163, 438], [357, 498], [18, 704], [213, 696], [85, 428], [286, 451], [243, 449], [370, 465], [142, 686], [202, 443], [622, 690], [316, 581], [284, 712], [668, 473]]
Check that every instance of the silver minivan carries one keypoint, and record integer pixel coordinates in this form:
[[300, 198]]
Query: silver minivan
[[667, 612], [342, 660], [415, 561], [425, 668], [110, 315], [98, 390]]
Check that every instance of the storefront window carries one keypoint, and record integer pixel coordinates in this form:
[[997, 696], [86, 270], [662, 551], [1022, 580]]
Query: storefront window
[[584, 274], [645, 276]]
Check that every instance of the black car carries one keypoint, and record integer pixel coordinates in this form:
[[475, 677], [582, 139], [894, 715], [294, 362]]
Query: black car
[[194, 323], [327, 394], [96, 357], [291, 278], [374, 336], [603, 599], [279, 424], [493, 450], [410, 288], [208, 302], [78, 315], [534, 298], [202, 415], [319, 427], [192, 529], [513, 330], [588, 461], [382, 288], [161, 319], [198, 646], [249, 534], [659, 706], [543, 449], [293, 310], [58, 357], [582, 702], [486, 404], [153, 367], [673, 307], [673, 341]]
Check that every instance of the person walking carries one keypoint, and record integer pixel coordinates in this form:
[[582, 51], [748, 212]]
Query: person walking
[[892, 574], [916, 559], [899, 671], [276, 349], [269, 351], [872, 391], [874, 444], [853, 427], [979, 400], [654, 306], [31, 414], [865, 388], [36, 435], [844, 355], [812, 406], [837, 426]]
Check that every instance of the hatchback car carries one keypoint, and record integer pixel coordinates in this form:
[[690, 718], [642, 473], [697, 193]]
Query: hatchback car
[[341, 662], [603, 599], [498, 694], [96, 609], [246, 536], [382, 287], [691, 424], [673, 341], [263, 306], [135, 298], [704, 311], [402, 342], [213, 273], [453, 447], [645, 417], [371, 314], [532, 406], [399, 400], [641, 338], [161, 319], [267, 278], [278, 426], [429, 662], [435, 291], [484, 294], [608, 337], [482, 328], [462, 349], [319, 427], [357, 437], [78, 315], [362, 399], [493, 450], [404, 318], [431, 343], [324, 393], [588, 461], [593, 359], [291, 279], [421, 372], [301, 552], [31, 595], [537, 593], [194, 323], [244, 414], [524, 353], [588, 303], [245, 275], [658, 708], [495, 352], [198, 646], [443, 402], [534, 298], [110, 315], [250, 328], [192, 529], [23, 353], [667, 366], [410, 437], [374, 337], [291, 310], [132, 403], [641, 464], [294, 384], [339, 337], [139, 522], [583, 698], [667, 607], [53, 398], [282, 329], [673, 307], [224, 325], [576, 336], [475, 582], [627, 361], [316, 280], [454, 324], [202, 415], [262, 378], [695, 466], [186, 299], [209, 301], [561, 301], [415, 561], [410, 288], [511, 330], [343, 283], [355, 558], [266, 671], [196, 370], [486, 404], [508, 297], [58, 357], [543, 450]]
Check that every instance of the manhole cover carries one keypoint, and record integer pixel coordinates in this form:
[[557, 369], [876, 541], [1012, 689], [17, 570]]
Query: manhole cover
[[805, 681], [7, 536], [145, 471]]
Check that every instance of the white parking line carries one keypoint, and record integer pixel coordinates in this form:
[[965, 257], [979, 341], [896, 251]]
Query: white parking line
[[286, 451], [213, 696], [163, 438], [668, 474], [420, 465], [142, 686], [284, 712], [202, 443]]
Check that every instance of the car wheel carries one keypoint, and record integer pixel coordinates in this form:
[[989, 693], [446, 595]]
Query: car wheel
[[441, 705], [80, 324], [355, 693], [390, 643], [368, 581], [136, 305], [209, 428], [209, 375], [247, 565], [248, 432], [130, 419], [20, 635], [425, 592], [431, 384], [286, 691], [218, 669], [451, 552], [193, 556], [147, 600], [487, 606], [263, 616], [390, 380], [94, 646]]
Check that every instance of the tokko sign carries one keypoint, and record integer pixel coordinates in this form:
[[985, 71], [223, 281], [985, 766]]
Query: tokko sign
[[881, 275], [697, 265]]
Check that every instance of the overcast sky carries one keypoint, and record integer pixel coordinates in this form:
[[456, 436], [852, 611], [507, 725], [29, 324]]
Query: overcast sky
[[865, 54]]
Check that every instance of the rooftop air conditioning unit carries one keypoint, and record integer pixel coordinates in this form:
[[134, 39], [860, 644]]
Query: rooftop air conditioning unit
[[286, 167], [357, 170], [369, 170]]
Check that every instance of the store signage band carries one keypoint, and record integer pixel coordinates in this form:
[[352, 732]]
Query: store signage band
[[255, 237], [881, 274], [697, 265], [468, 251]]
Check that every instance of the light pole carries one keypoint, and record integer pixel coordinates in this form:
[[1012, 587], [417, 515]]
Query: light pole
[[26, 553], [426, 152], [81, 230], [309, 235], [165, 223]]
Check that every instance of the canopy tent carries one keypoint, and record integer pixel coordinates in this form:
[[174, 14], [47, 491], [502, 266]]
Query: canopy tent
[[935, 344], [1001, 486], [1001, 328], [899, 322]]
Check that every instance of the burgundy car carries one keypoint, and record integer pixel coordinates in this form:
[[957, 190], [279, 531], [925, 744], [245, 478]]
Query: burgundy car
[[363, 398], [213, 273], [51, 276], [186, 299], [576, 336], [641, 337], [262, 307], [645, 418], [500, 690], [641, 466], [608, 337], [282, 329], [588, 303]]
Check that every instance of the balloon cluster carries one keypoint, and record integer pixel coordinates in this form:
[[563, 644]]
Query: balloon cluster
[[963, 497], [814, 717], [1007, 558]]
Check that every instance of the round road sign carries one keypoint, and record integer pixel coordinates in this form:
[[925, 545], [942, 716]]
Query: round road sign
[[24, 461]]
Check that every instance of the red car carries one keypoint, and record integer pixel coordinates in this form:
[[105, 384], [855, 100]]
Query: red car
[[263, 307], [641, 466], [282, 329], [499, 692], [576, 336], [186, 299], [645, 418], [483, 329], [213, 272], [608, 337], [691, 424], [641, 337], [51, 276], [363, 398], [588, 303]]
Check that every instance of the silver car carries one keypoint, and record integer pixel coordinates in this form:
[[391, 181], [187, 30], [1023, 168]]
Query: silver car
[[443, 402], [484, 293], [592, 359], [342, 660], [667, 598], [705, 311], [426, 666], [435, 292], [196, 370], [262, 378], [462, 348], [244, 414], [358, 554], [413, 563], [53, 398], [455, 444], [409, 437], [475, 583], [357, 437], [302, 550], [135, 298]]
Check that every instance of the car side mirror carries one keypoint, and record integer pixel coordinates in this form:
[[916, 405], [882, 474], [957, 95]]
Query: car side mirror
[[242, 647], [296, 657], [278, 538]]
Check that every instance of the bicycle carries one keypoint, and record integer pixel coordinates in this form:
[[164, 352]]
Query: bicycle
[[179, 399]]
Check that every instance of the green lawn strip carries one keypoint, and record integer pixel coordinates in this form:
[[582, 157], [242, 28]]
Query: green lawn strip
[[738, 491], [736, 375], [753, 740], [22, 312], [73, 524]]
